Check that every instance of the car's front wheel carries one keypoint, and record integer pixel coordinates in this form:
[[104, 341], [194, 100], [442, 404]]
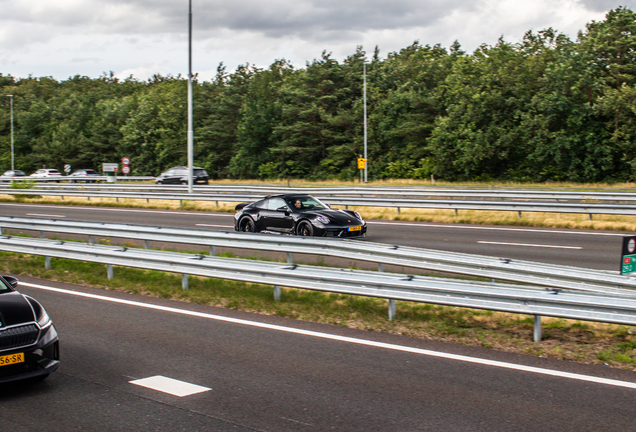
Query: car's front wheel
[[246, 224], [305, 229]]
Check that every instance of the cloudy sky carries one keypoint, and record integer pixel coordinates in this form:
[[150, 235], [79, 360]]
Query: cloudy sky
[[63, 38]]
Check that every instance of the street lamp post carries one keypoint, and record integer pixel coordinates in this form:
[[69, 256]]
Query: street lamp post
[[12, 161], [364, 68], [190, 126]]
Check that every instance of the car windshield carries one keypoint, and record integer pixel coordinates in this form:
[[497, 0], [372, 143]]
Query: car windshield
[[306, 202]]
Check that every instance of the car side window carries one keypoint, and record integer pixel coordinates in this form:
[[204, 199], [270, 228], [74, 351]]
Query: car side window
[[262, 204], [276, 203]]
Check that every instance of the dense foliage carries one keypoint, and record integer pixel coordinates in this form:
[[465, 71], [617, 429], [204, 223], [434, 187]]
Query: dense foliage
[[545, 108]]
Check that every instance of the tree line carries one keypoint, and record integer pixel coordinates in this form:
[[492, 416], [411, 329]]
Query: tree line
[[547, 108]]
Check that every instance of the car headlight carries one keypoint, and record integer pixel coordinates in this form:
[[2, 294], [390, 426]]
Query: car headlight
[[358, 215], [322, 219], [44, 320]]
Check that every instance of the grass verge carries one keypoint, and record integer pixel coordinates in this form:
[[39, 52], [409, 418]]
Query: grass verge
[[585, 342]]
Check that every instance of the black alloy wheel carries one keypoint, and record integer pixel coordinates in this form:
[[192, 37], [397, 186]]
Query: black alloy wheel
[[305, 229], [246, 224]]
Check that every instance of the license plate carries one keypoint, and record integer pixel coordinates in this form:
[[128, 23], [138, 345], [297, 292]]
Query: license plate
[[12, 359], [358, 228]]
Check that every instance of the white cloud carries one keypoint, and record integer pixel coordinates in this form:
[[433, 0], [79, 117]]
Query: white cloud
[[144, 37]]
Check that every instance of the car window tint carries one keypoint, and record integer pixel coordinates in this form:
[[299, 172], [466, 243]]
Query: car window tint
[[3, 286], [275, 203], [261, 204]]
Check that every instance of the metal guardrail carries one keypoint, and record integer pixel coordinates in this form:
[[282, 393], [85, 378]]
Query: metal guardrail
[[546, 275], [482, 295], [75, 179], [504, 200]]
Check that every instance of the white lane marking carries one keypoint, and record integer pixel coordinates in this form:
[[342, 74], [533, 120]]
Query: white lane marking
[[45, 215], [497, 228], [530, 245], [216, 226], [170, 386], [352, 340], [124, 210]]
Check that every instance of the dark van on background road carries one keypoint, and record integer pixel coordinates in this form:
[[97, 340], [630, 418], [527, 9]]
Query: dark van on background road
[[179, 175]]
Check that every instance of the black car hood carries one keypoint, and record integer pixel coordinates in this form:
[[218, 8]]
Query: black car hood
[[338, 217], [14, 309]]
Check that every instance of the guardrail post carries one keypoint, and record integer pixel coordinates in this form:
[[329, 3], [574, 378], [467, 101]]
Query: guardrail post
[[590, 216], [381, 267], [537, 328], [391, 309], [212, 251], [184, 281], [519, 214], [398, 210], [47, 263], [90, 240], [277, 293], [109, 271], [289, 258], [146, 244]]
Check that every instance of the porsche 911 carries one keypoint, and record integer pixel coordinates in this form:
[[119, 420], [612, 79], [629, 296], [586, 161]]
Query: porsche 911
[[298, 214]]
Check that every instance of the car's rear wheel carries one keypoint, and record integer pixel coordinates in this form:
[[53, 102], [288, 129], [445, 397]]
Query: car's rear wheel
[[246, 224], [305, 229]]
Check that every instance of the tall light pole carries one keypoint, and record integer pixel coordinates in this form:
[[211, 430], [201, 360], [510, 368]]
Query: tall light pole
[[366, 163], [12, 162], [190, 126]]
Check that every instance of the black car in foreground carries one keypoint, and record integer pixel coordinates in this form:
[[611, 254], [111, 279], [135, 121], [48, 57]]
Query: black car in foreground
[[302, 215], [29, 345], [179, 175]]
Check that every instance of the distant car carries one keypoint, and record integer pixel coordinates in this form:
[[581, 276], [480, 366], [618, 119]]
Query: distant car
[[7, 176], [49, 174], [298, 214], [83, 175], [29, 344], [179, 175]]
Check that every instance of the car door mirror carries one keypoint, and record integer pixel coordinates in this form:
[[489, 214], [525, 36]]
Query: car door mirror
[[283, 210], [13, 281]]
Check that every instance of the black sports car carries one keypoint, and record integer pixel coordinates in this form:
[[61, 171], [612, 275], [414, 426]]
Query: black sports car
[[29, 346], [302, 215]]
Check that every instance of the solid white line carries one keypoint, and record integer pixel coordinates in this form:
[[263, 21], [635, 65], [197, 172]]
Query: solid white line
[[383, 345], [122, 210], [216, 226], [530, 245], [496, 228], [45, 215]]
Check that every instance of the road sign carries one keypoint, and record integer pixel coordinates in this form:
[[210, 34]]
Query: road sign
[[362, 163], [125, 160], [125, 169], [628, 257], [67, 168], [110, 167]]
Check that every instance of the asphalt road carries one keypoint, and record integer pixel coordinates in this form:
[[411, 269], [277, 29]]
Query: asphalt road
[[577, 248], [265, 373]]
